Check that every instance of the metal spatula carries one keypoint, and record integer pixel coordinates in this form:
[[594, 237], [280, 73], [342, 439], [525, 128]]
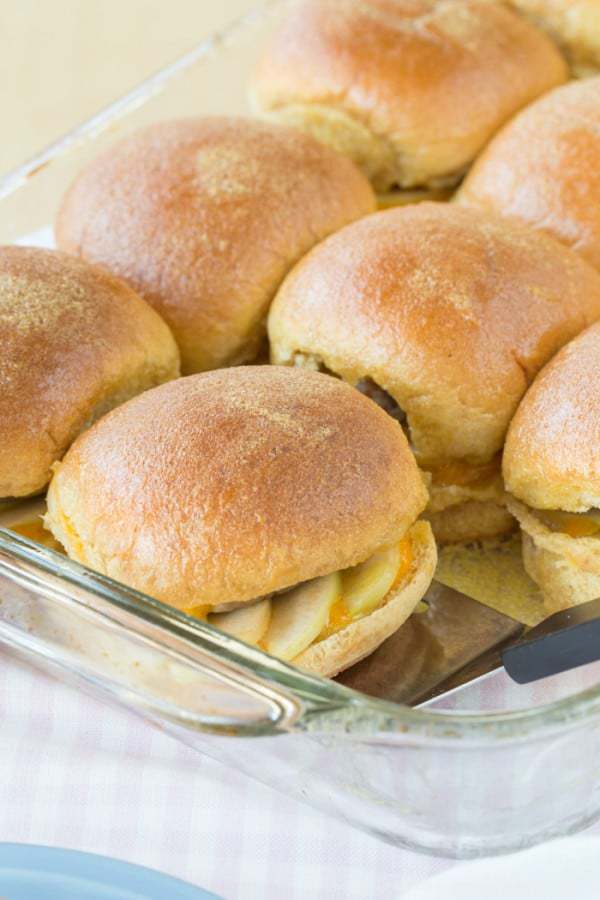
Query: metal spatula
[[457, 640]]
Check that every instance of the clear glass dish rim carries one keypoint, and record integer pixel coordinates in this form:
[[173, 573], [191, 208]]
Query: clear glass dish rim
[[440, 725], [488, 727]]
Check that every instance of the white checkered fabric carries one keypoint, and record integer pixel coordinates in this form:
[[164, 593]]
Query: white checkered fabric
[[76, 772]]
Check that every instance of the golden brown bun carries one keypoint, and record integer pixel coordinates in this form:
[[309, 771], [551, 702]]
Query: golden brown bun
[[471, 520], [543, 168], [451, 311], [563, 584], [552, 452], [442, 496], [411, 90], [355, 641], [573, 24], [204, 217], [460, 513], [566, 569], [74, 342], [226, 486]]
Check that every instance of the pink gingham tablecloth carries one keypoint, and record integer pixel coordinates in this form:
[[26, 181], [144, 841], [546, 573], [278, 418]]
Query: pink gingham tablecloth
[[76, 772]]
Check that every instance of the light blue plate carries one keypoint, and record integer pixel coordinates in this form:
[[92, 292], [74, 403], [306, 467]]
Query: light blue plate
[[28, 872]]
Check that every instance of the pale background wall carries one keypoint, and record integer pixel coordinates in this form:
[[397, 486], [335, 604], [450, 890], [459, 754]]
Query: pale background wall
[[61, 60]]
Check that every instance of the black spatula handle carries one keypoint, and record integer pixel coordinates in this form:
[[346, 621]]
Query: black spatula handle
[[563, 641]]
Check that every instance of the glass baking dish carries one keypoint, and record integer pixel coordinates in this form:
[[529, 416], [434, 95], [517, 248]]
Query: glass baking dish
[[448, 781]]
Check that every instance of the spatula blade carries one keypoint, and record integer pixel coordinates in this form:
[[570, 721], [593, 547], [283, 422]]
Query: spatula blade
[[454, 641]]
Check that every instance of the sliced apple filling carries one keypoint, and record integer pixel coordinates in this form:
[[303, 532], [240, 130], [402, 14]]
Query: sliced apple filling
[[286, 624], [575, 525], [364, 587], [249, 623]]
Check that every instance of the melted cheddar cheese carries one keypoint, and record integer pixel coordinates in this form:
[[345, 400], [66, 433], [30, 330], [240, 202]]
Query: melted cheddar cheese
[[575, 525], [34, 530], [340, 616], [406, 561], [463, 474], [198, 612]]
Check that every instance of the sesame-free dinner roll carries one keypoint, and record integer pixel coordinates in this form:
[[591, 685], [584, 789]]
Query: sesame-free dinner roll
[[543, 168], [551, 467], [410, 89], [444, 315], [251, 495], [573, 24], [204, 217], [75, 342]]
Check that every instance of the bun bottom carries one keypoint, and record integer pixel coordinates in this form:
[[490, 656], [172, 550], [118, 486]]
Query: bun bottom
[[344, 134], [562, 582], [566, 569], [374, 154], [473, 520], [356, 641]]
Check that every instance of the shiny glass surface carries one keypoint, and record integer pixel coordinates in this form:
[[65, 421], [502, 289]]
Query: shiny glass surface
[[452, 778]]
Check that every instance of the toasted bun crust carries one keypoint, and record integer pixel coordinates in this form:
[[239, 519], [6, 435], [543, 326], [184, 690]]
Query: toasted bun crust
[[443, 496], [566, 569], [74, 342], [460, 513], [354, 642], [204, 217], [471, 520], [543, 168], [227, 486], [562, 582], [552, 453], [409, 89], [450, 310], [573, 24]]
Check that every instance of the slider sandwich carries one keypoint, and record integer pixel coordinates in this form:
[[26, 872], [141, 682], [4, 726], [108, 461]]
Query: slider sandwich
[[281, 506], [74, 343], [543, 168], [204, 217], [552, 469], [411, 90], [443, 315]]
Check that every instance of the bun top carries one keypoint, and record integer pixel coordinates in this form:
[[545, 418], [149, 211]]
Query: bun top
[[410, 89], [74, 343], [449, 310], [552, 453], [204, 217], [573, 24], [226, 486], [543, 168]]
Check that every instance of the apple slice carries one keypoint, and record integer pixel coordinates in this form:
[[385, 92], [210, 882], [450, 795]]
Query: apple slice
[[248, 623], [299, 616], [364, 586]]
